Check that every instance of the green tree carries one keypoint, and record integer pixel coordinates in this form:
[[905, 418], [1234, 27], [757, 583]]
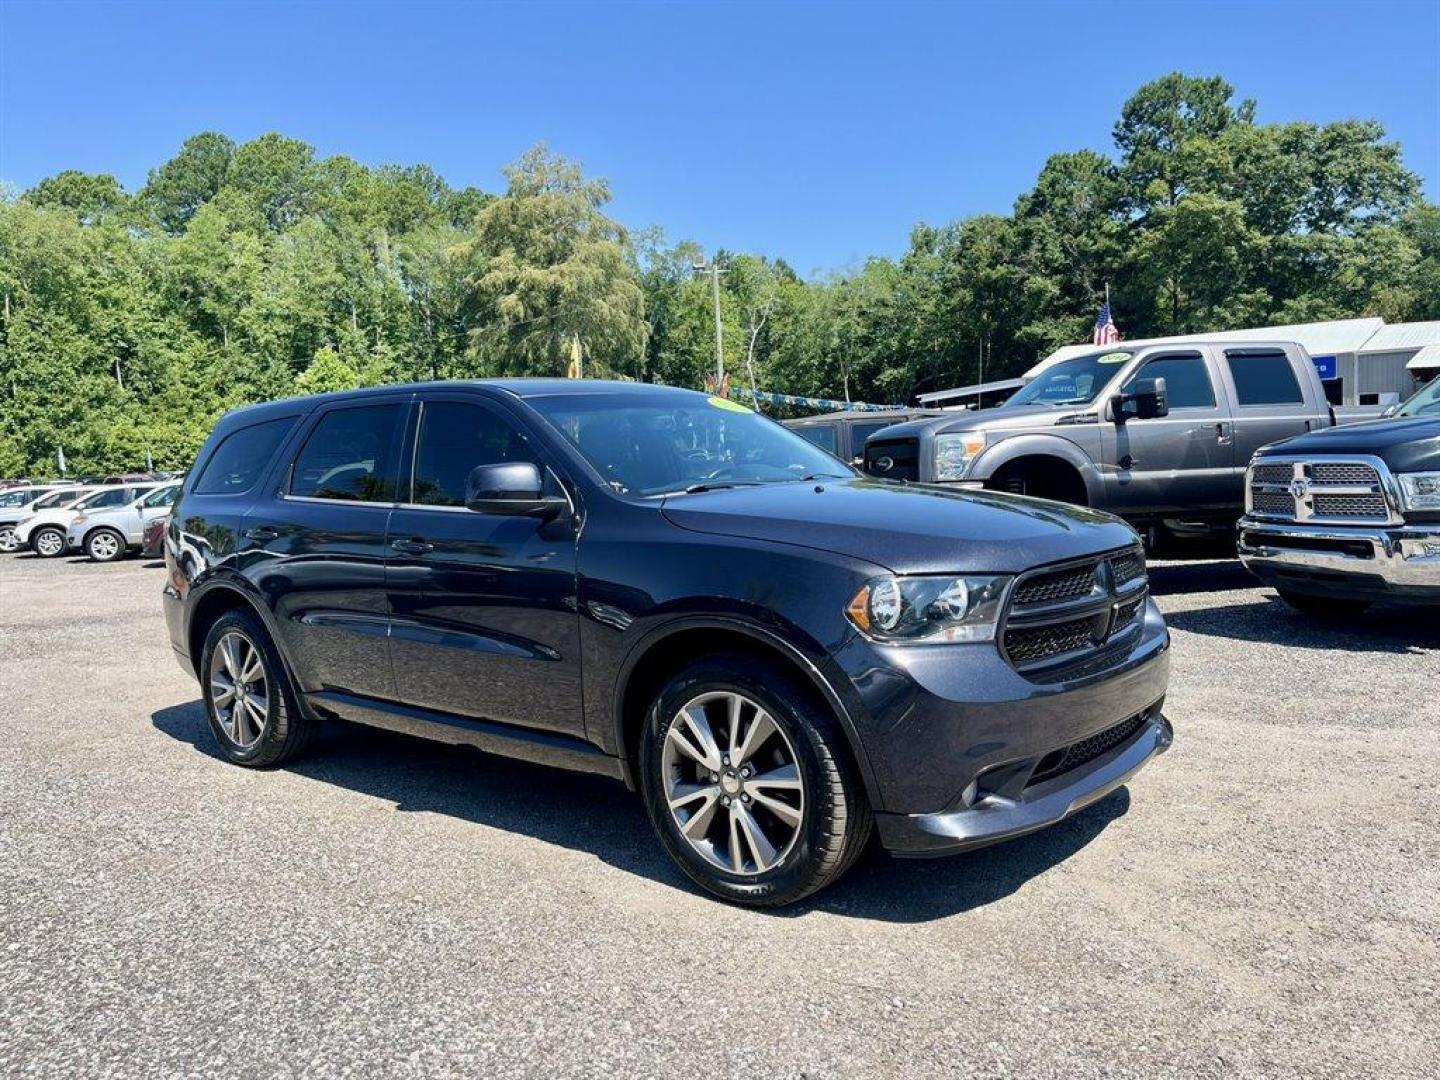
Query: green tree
[[553, 270]]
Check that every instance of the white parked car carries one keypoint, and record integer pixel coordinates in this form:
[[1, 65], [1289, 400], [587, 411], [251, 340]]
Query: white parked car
[[107, 534], [17, 504], [46, 532]]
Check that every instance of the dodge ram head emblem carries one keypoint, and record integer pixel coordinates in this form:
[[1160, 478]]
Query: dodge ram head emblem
[[1299, 488], [883, 464]]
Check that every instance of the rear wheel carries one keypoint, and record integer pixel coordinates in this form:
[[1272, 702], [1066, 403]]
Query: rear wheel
[[748, 784], [104, 545], [49, 542], [1324, 607], [252, 709]]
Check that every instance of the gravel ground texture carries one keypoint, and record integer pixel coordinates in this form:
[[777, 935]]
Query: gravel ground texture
[[1263, 901]]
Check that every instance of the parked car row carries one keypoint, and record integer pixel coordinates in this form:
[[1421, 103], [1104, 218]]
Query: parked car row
[[105, 522], [1198, 439]]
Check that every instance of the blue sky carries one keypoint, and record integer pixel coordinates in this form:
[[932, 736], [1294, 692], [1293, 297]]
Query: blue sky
[[816, 132]]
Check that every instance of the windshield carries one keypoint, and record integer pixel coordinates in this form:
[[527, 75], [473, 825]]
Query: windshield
[[658, 443], [1426, 402], [1071, 382]]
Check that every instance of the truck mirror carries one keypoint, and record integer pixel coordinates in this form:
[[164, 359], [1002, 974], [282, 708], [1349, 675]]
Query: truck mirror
[[1144, 400], [515, 487]]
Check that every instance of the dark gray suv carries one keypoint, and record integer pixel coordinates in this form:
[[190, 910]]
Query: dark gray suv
[[781, 655]]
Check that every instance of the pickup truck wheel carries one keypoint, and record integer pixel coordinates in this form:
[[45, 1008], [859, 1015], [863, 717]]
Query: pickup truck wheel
[[748, 784], [104, 545], [48, 543], [248, 698], [1323, 607]]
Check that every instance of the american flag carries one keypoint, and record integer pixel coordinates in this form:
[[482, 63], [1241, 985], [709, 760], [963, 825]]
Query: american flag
[[1105, 329]]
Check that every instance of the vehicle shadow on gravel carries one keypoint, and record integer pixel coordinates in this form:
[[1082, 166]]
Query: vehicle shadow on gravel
[[1382, 629], [592, 814], [1210, 575]]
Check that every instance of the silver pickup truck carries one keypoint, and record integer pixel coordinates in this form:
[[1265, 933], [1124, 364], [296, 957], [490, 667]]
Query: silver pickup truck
[[1160, 433]]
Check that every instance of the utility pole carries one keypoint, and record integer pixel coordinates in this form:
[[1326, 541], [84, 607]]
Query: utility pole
[[698, 264]]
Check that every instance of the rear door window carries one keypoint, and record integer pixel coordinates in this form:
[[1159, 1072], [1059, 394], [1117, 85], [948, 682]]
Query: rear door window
[[350, 456], [241, 457], [103, 499], [1264, 378]]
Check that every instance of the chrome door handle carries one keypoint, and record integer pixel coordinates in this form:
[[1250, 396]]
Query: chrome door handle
[[262, 534], [414, 546]]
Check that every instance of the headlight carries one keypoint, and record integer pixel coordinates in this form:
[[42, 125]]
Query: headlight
[[1419, 490], [954, 452], [930, 610]]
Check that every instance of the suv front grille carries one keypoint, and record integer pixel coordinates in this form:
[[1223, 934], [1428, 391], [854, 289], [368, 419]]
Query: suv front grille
[[1060, 615], [1319, 491], [893, 459]]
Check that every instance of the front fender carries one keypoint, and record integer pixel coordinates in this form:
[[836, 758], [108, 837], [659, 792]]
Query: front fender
[[808, 656], [992, 458]]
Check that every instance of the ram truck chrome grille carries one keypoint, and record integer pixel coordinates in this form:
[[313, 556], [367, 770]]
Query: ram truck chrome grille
[[1321, 491]]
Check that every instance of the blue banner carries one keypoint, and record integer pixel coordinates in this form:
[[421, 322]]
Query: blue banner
[[1326, 366]]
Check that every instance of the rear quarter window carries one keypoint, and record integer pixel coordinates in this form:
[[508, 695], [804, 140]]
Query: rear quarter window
[[236, 465]]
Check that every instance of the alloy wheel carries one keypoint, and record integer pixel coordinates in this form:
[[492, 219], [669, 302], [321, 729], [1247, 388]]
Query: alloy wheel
[[49, 543], [104, 546], [7, 538], [732, 782], [239, 689]]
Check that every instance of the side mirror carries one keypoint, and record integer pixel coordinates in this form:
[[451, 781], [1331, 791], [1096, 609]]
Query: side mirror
[[1390, 411], [514, 488], [1145, 400]]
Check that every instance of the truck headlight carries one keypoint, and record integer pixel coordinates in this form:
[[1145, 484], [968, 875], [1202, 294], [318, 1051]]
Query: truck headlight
[[1419, 490], [955, 452], [930, 609]]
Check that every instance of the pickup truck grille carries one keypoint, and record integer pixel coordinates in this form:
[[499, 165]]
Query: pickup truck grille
[[1320, 491], [893, 459], [1063, 614]]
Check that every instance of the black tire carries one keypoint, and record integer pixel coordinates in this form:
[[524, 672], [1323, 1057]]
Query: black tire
[[51, 540], [286, 728], [835, 819], [1324, 607], [99, 551]]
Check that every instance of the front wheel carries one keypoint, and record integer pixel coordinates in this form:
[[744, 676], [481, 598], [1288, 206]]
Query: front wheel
[[104, 545], [749, 784], [1323, 607], [48, 543], [8, 542]]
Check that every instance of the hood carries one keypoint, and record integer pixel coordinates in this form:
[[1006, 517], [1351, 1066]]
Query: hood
[[905, 528], [1002, 418], [1406, 444]]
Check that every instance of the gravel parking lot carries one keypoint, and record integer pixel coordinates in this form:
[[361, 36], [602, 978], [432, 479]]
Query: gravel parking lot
[[1262, 901]]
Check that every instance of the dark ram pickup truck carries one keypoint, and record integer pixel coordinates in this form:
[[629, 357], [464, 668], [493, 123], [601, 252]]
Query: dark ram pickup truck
[[1338, 519]]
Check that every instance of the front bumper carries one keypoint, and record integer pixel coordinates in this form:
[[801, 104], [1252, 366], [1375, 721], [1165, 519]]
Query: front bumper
[[997, 816], [1401, 562], [963, 750]]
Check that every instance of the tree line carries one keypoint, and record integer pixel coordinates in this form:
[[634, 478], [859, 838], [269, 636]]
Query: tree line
[[241, 273]]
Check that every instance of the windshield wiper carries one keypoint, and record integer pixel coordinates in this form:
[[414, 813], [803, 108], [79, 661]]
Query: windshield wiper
[[824, 476], [716, 485]]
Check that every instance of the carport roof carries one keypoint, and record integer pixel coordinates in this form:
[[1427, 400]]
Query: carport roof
[[1428, 357]]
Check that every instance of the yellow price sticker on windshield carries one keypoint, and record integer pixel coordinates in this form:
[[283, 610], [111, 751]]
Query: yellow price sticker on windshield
[[1113, 358], [726, 403]]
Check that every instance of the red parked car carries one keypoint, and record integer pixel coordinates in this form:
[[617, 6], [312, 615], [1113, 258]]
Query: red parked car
[[153, 542]]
